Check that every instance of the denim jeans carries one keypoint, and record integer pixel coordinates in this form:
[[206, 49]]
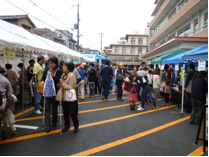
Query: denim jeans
[[106, 87], [145, 91], [197, 108], [150, 94], [91, 88], [102, 89], [38, 99]]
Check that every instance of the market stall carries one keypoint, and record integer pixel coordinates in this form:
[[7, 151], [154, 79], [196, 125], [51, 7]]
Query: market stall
[[181, 59]]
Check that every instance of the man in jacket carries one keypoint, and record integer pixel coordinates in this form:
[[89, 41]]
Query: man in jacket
[[190, 77], [107, 75], [92, 78]]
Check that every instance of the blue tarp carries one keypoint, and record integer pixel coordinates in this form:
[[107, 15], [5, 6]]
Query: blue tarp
[[179, 59], [195, 57], [95, 56]]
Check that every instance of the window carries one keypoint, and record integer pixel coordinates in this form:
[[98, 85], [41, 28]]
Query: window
[[171, 14], [116, 50], [181, 4], [123, 50], [196, 25], [184, 32], [132, 50], [206, 20], [70, 45], [147, 50], [140, 41], [133, 41], [139, 50]]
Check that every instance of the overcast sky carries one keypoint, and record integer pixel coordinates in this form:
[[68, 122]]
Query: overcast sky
[[115, 18]]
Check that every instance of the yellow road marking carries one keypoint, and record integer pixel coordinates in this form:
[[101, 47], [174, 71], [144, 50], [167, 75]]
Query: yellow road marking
[[130, 138], [198, 151], [86, 111], [28, 110], [82, 126]]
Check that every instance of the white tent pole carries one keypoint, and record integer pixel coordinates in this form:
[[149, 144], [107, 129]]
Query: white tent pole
[[182, 99]]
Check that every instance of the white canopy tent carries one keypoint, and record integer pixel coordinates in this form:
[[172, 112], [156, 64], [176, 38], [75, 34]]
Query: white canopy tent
[[17, 37]]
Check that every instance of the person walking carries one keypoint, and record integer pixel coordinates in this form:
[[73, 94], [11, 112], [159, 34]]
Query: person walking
[[11, 76], [119, 81], [38, 74], [168, 82], [156, 87], [107, 75], [146, 90], [92, 79], [133, 90], [98, 79], [150, 82], [198, 97], [68, 81], [24, 84], [191, 75], [82, 73], [8, 100], [56, 73]]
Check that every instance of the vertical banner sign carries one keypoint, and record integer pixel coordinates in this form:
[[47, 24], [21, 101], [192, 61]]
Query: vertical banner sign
[[176, 67], [159, 66], [9, 54], [154, 66], [201, 65], [162, 66]]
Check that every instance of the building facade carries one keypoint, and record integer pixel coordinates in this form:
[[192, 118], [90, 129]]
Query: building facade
[[68, 38], [129, 49], [181, 24], [20, 20]]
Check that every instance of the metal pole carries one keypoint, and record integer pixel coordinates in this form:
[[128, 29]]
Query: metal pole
[[60, 110], [182, 99], [101, 39], [23, 52]]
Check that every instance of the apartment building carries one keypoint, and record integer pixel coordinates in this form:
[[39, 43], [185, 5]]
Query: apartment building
[[20, 20], [177, 24], [129, 49]]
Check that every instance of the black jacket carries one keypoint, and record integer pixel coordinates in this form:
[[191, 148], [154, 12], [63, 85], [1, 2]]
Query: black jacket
[[191, 75], [92, 75], [199, 89]]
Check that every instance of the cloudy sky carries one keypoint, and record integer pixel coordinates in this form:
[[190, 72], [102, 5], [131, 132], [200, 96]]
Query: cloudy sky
[[115, 18]]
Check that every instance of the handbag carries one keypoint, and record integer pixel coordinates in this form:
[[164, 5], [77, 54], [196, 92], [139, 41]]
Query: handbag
[[40, 89], [49, 88], [59, 95], [189, 87], [119, 77], [71, 95]]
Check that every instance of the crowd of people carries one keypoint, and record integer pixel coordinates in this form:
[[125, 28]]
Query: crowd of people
[[142, 83]]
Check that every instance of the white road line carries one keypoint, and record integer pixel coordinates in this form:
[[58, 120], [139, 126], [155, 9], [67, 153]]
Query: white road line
[[26, 127]]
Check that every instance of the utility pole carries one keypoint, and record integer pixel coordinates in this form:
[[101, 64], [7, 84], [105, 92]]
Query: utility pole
[[77, 26], [101, 39], [78, 35]]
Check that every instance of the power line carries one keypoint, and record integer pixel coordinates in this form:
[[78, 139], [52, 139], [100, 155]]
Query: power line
[[38, 18], [50, 14]]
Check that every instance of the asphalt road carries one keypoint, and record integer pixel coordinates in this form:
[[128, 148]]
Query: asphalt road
[[108, 129]]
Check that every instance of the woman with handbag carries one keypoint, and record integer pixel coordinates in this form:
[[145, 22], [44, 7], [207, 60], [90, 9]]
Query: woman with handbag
[[56, 74], [168, 82], [68, 85]]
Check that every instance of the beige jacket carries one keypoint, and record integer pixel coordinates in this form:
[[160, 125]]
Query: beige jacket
[[156, 81], [69, 83]]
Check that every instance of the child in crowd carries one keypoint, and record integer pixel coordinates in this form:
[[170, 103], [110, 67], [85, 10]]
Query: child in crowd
[[133, 89], [150, 82], [126, 87], [111, 86], [8, 117]]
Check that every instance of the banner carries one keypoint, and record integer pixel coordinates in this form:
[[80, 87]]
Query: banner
[[176, 67], [201, 65], [9, 54]]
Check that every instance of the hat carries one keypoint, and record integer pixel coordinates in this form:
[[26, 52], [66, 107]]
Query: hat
[[121, 64], [83, 63], [78, 64], [81, 66]]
